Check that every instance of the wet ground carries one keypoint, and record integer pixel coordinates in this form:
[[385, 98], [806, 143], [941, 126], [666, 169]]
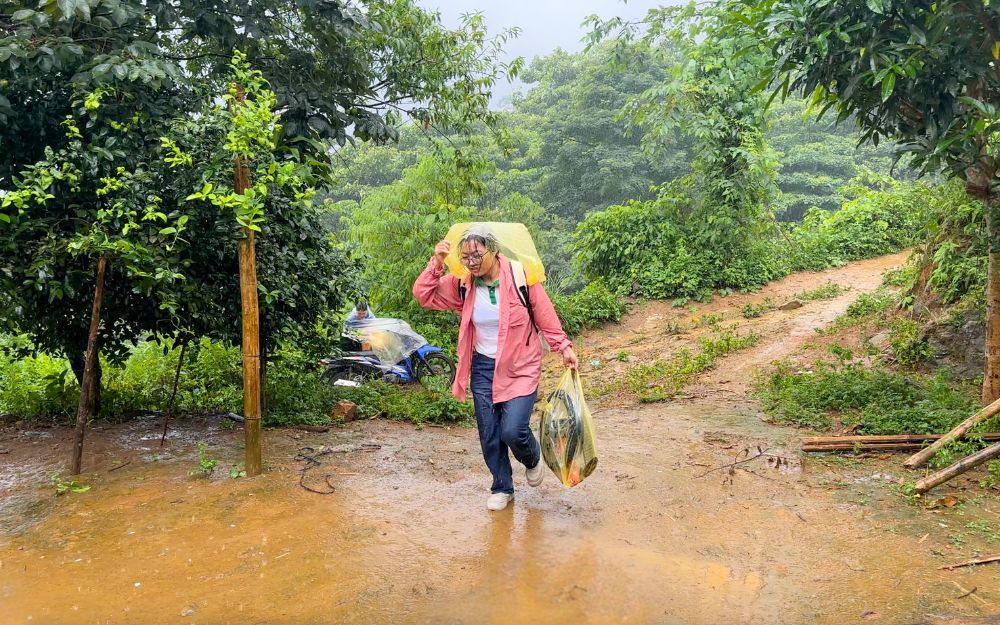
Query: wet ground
[[658, 535]]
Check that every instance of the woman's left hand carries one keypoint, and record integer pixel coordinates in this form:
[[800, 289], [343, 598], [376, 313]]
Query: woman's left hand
[[569, 358]]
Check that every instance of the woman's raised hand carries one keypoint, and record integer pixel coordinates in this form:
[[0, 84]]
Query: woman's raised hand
[[442, 249]]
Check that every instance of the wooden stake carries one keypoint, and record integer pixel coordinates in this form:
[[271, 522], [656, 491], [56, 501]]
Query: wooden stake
[[251, 328], [958, 468], [89, 370], [921, 457], [173, 394]]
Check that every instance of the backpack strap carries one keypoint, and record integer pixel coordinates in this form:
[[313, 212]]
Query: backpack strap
[[521, 284]]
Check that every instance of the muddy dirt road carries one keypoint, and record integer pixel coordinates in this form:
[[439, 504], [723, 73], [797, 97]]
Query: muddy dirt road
[[405, 538]]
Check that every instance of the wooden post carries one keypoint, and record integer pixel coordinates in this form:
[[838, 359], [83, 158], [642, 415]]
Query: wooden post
[[89, 370], [960, 467], [173, 393], [251, 328], [921, 457]]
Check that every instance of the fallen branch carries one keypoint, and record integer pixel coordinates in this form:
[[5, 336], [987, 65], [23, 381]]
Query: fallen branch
[[921, 457], [761, 453], [124, 464], [985, 560], [960, 467]]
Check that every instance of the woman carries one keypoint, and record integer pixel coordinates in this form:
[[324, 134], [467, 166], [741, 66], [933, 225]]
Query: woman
[[498, 349]]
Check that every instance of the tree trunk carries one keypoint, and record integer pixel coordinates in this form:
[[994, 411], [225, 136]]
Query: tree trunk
[[978, 180], [90, 381], [263, 373], [251, 329], [77, 364]]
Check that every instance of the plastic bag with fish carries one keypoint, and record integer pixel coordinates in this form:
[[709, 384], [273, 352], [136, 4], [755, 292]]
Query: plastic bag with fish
[[567, 432]]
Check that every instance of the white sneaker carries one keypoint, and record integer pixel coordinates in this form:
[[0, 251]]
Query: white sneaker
[[499, 501], [535, 474]]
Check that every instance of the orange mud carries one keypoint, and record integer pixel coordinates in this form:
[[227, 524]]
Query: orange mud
[[405, 537]]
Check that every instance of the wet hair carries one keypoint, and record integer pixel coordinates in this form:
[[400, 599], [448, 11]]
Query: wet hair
[[482, 236], [361, 305]]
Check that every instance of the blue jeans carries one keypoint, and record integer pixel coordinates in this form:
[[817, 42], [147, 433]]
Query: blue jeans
[[502, 426]]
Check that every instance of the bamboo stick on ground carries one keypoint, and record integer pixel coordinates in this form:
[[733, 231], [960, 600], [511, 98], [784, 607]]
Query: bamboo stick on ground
[[921, 457], [894, 442], [960, 467], [985, 560]]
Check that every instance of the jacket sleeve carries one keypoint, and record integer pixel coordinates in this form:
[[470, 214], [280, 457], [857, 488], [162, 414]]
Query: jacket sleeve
[[437, 291], [546, 318]]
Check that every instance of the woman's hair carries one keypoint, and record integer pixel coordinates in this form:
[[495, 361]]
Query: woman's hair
[[482, 236]]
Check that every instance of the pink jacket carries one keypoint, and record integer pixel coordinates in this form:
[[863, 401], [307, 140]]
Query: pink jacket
[[519, 352]]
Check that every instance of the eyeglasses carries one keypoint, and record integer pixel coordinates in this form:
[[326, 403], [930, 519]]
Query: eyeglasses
[[472, 259]]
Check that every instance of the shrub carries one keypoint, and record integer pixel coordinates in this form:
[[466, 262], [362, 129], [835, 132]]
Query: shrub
[[908, 344], [881, 401], [38, 387], [412, 404], [588, 307], [829, 290]]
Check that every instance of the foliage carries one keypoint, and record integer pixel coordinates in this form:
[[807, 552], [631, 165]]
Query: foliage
[[753, 310], [96, 88], [881, 401], [206, 463], [64, 486], [38, 386], [662, 380], [882, 216], [829, 290], [415, 405], [817, 158], [592, 305], [916, 71], [909, 345]]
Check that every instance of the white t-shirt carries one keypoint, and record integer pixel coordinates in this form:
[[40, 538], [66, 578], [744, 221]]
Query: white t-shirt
[[486, 320]]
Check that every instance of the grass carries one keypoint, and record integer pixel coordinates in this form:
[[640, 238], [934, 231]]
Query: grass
[[880, 400], [829, 290], [663, 379], [751, 310], [871, 307]]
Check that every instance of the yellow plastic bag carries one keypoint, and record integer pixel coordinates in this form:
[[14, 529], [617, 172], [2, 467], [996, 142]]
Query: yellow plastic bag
[[567, 432], [515, 243]]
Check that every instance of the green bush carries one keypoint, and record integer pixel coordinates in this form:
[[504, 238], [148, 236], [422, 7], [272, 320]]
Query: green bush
[[908, 344], [588, 307], [402, 403], [37, 387], [881, 401]]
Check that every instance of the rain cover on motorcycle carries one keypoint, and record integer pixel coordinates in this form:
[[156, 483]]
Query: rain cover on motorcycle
[[391, 340], [515, 243]]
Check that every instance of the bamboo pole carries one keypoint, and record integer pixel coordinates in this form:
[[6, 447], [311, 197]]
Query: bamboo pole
[[891, 442], [89, 370], [251, 328], [921, 457], [960, 467]]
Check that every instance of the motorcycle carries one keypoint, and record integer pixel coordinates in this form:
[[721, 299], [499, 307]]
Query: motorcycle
[[398, 355]]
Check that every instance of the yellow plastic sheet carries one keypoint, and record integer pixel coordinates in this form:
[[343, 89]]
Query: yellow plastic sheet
[[515, 243], [567, 432]]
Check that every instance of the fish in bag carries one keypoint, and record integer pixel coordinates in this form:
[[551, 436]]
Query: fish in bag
[[567, 432]]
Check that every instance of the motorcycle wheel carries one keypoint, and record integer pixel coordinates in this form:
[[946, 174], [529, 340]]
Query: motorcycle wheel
[[349, 374], [435, 371]]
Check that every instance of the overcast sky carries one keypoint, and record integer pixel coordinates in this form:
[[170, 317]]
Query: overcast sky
[[545, 24]]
